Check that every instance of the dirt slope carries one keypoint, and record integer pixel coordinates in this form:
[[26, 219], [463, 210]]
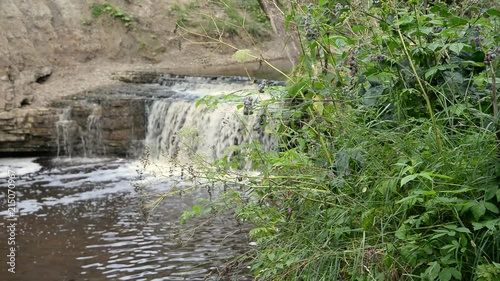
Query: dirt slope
[[51, 48]]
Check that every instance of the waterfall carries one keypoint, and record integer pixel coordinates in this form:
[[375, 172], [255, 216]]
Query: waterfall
[[79, 132], [182, 130], [94, 142], [65, 128], [163, 117]]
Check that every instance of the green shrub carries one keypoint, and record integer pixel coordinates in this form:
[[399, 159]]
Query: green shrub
[[99, 9], [388, 167], [240, 18]]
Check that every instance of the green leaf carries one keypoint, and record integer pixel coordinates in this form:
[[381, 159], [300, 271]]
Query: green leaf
[[433, 270], [340, 43], [405, 20], [436, 236], [477, 226], [492, 225], [433, 70], [196, 209], [425, 30], [318, 107], [408, 178], [491, 207], [493, 12], [295, 88], [457, 47], [445, 274], [490, 192], [358, 28], [478, 210], [458, 21], [436, 22], [463, 230], [401, 233], [434, 46], [456, 273], [498, 195], [426, 175]]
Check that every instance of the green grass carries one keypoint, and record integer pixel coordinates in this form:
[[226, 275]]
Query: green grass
[[98, 9], [240, 18]]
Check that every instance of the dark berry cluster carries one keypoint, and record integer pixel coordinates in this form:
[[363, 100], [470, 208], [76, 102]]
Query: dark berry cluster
[[491, 55], [263, 84], [312, 32], [352, 65], [476, 42], [247, 106], [379, 57], [437, 29], [476, 29]]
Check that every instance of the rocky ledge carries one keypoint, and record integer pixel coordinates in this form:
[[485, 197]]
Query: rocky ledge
[[87, 124], [28, 130]]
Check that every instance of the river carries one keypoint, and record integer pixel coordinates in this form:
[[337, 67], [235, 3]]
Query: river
[[80, 219]]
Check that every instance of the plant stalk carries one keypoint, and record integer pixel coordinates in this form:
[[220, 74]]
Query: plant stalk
[[424, 93]]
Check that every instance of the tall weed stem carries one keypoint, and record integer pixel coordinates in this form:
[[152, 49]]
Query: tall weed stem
[[424, 93]]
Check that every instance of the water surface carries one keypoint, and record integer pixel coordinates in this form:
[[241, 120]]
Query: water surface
[[80, 219]]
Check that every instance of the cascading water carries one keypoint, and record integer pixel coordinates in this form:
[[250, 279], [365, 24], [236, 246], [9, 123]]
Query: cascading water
[[80, 136], [65, 128], [170, 124], [94, 141], [180, 129]]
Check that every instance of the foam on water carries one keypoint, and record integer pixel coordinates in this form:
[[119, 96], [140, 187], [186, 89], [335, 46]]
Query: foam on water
[[20, 166], [107, 176]]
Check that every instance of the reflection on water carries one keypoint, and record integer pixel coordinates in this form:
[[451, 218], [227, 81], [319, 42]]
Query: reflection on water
[[80, 220]]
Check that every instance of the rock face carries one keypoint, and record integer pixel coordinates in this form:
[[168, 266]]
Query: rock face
[[28, 130], [76, 128]]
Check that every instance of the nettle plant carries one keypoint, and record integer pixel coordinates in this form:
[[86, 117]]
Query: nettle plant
[[405, 55], [388, 165]]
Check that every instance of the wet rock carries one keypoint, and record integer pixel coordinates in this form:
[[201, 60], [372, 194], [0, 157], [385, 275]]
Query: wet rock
[[28, 130], [136, 76]]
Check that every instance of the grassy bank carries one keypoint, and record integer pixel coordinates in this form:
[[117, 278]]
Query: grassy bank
[[387, 165]]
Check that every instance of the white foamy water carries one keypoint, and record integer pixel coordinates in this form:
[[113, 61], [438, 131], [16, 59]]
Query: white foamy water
[[182, 129], [20, 166], [104, 177]]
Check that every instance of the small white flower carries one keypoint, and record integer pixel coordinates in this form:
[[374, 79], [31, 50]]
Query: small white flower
[[242, 55]]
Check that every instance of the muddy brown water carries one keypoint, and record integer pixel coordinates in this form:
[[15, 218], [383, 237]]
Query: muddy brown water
[[80, 219]]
